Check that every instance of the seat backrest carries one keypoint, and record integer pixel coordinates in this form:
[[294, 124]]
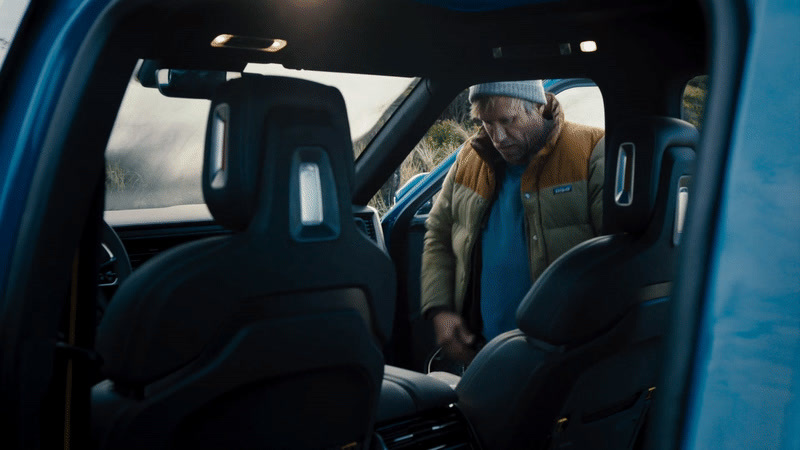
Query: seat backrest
[[270, 337], [581, 368]]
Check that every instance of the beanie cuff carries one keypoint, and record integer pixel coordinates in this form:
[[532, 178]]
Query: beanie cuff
[[531, 90]]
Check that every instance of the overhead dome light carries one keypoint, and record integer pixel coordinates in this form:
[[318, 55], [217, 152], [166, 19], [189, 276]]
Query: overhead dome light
[[221, 40], [248, 43], [588, 46]]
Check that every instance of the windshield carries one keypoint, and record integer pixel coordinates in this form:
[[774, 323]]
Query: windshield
[[154, 157]]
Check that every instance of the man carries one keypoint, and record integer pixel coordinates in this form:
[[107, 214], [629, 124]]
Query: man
[[524, 190]]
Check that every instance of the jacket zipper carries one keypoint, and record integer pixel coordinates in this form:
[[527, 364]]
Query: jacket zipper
[[484, 221]]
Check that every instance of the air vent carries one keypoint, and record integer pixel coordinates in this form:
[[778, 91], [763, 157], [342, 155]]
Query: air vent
[[143, 244], [366, 226], [139, 258], [438, 429]]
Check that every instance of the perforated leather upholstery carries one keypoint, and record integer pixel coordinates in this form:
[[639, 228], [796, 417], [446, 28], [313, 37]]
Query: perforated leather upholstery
[[579, 369], [270, 337]]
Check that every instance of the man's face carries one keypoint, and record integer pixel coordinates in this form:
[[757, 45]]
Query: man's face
[[513, 131]]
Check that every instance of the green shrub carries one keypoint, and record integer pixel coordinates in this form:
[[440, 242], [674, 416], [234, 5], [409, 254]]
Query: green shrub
[[441, 140], [694, 100], [119, 179]]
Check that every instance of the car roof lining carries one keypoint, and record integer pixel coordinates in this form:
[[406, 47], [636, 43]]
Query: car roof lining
[[405, 38]]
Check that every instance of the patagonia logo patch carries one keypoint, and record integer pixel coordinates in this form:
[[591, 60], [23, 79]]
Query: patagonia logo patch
[[562, 189]]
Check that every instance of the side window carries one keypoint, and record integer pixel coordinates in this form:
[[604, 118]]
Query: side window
[[580, 99], [453, 127], [584, 105], [694, 100], [13, 11]]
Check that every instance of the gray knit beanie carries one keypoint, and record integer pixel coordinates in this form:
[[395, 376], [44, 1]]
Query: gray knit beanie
[[531, 90]]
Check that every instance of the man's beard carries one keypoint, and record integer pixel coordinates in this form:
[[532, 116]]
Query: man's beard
[[540, 140]]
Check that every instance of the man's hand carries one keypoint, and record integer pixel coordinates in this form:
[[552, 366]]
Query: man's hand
[[453, 336]]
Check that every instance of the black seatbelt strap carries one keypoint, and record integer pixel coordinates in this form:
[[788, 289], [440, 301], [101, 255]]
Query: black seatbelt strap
[[71, 335], [76, 350], [81, 365]]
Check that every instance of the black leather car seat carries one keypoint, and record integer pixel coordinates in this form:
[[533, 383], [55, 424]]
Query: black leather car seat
[[580, 370], [269, 337]]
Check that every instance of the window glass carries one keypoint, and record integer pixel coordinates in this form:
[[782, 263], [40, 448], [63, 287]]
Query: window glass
[[453, 127], [370, 99], [694, 100], [12, 12], [582, 104], [154, 157]]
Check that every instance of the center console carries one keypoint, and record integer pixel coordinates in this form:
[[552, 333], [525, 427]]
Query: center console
[[419, 411]]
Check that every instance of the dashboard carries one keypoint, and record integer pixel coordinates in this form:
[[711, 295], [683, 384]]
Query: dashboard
[[147, 232]]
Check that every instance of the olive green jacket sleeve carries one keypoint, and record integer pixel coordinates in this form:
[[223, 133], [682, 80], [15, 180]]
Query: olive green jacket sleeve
[[595, 189], [437, 275]]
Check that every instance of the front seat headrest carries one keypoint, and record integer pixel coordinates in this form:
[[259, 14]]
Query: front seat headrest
[[254, 125], [577, 297], [635, 149]]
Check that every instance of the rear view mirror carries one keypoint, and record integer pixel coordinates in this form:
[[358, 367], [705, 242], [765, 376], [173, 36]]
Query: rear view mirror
[[181, 83], [190, 83], [147, 73]]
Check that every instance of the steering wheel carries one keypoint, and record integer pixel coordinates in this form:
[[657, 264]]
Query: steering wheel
[[115, 266]]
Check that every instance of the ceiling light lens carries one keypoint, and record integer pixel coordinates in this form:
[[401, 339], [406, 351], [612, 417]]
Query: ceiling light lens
[[588, 46], [248, 43], [277, 44], [221, 40]]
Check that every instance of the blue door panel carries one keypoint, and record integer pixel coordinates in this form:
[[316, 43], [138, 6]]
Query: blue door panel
[[24, 124], [747, 370]]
